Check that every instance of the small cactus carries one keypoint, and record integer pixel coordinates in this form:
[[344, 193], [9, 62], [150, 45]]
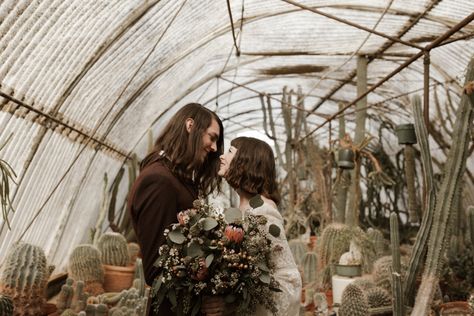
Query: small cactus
[[382, 273], [114, 249], [133, 252], [309, 267], [24, 277], [6, 306], [378, 297], [364, 283], [378, 240], [85, 265], [353, 302], [65, 296], [298, 250]]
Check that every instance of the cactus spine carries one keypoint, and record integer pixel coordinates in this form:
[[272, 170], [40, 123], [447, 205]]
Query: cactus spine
[[24, 277], [114, 249], [309, 267], [454, 170], [398, 306], [298, 250], [353, 302], [85, 265], [6, 306]]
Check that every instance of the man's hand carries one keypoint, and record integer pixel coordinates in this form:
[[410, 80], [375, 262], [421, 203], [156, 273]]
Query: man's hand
[[469, 88]]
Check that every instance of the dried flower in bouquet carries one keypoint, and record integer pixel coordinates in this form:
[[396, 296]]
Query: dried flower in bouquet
[[212, 253]]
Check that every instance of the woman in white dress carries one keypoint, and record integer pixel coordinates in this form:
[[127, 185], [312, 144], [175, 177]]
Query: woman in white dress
[[249, 167]]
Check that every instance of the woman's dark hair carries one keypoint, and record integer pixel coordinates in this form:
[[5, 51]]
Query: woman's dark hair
[[252, 169], [182, 149]]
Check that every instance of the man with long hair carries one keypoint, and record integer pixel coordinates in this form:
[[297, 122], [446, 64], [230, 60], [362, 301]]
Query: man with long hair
[[183, 164]]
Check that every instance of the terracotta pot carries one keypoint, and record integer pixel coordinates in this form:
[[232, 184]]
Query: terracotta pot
[[312, 242], [118, 278], [49, 309], [458, 308]]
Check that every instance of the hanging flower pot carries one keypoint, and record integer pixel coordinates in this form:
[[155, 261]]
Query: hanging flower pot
[[346, 159], [406, 134]]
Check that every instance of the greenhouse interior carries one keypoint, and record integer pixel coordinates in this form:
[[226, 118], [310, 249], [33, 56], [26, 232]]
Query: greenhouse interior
[[353, 157]]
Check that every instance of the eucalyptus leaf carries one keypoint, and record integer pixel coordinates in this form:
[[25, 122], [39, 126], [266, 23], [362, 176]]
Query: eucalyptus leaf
[[172, 297], [196, 307], [232, 214], [157, 283], [177, 236], [256, 201], [194, 249], [208, 223], [262, 266], [265, 278], [209, 260], [274, 230]]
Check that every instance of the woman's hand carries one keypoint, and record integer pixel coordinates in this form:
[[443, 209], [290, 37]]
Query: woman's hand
[[213, 306]]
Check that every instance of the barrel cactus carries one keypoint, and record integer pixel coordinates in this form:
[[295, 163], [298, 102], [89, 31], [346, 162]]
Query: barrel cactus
[[353, 302], [85, 265], [364, 283], [378, 297], [6, 305], [378, 240], [114, 249], [24, 277], [382, 273]]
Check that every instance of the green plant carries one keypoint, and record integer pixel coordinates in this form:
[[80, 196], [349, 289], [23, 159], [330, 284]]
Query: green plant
[[378, 297], [85, 265], [24, 277], [382, 273], [309, 267], [458, 275], [6, 306], [353, 302], [298, 250], [7, 175], [114, 249]]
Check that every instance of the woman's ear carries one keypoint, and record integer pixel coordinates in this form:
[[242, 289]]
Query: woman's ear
[[189, 124]]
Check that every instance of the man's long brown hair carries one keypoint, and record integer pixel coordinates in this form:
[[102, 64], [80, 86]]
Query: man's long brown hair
[[252, 169], [182, 149]]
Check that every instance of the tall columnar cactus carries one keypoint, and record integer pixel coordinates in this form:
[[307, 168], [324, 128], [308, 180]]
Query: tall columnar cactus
[[85, 265], [309, 267], [420, 246], [453, 173], [410, 177], [298, 250], [353, 302], [470, 211], [114, 249], [24, 277], [6, 305], [398, 304], [378, 297]]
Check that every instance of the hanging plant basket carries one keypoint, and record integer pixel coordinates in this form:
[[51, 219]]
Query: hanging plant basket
[[346, 159], [406, 134]]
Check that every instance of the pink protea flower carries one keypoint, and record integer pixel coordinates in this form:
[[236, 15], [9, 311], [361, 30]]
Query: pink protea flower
[[234, 233]]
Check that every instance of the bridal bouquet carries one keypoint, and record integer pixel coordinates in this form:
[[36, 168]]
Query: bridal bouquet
[[208, 253]]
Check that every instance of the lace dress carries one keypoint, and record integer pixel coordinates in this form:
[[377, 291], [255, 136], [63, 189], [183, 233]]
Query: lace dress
[[286, 272]]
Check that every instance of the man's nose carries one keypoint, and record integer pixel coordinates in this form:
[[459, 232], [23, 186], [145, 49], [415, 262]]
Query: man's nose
[[214, 147]]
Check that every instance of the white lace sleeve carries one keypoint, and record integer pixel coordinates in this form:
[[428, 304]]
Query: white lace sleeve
[[286, 272]]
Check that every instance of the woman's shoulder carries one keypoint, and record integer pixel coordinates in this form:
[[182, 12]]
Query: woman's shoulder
[[269, 209]]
